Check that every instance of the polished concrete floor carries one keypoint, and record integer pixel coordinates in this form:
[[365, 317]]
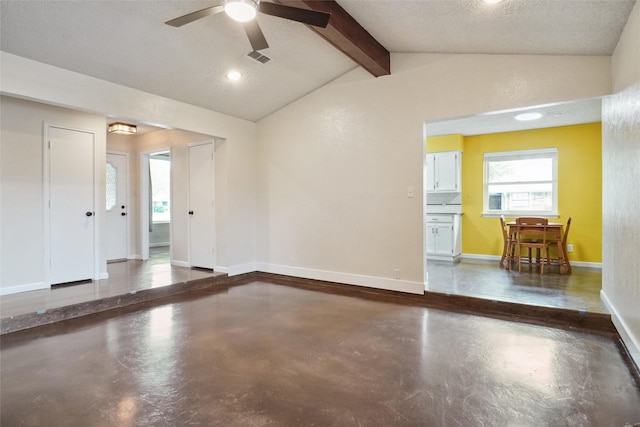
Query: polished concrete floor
[[267, 354], [579, 290], [124, 277]]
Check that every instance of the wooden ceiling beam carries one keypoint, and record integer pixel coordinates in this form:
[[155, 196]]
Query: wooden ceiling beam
[[348, 36]]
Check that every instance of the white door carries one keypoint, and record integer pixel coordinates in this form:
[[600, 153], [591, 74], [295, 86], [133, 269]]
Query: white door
[[201, 208], [71, 209], [117, 210]]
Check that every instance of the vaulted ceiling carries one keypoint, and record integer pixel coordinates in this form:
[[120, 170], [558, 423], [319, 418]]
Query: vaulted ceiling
[[128, 43]]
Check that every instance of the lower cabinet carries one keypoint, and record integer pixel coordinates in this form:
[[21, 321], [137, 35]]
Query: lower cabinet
[[444, 237]]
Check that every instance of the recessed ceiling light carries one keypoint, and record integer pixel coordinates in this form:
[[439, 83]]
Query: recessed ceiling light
[[492, 1], [528, 116], [234, 75]]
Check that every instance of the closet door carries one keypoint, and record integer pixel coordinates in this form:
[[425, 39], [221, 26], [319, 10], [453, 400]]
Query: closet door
[[71, 204], [201, 206]]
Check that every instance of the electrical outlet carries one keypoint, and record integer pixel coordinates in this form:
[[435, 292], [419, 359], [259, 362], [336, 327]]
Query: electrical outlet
[[569, 248], [396, 273]]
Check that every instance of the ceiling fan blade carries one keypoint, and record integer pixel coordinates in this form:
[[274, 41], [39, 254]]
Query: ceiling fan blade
[[256, 37], [309, 17], [194, 16]]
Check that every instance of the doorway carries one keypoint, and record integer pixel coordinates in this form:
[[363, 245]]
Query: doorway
[[156, 205], [478, 274]]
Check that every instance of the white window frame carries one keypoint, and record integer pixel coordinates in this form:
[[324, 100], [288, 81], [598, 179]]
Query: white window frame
[[551, 153]]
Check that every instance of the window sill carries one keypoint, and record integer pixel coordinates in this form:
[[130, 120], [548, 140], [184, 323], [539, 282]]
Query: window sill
[[516, 214]]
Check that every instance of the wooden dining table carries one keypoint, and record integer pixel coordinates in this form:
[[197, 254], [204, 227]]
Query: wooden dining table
[[555, 232]]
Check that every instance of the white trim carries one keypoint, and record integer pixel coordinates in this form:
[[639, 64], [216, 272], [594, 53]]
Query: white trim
[[346, 278], [631, 341], [498, 156], [180, 263], [220, 269], [496, 258], [103, 276], [235, 270], [23, 288], [536, 153], [157, 245]]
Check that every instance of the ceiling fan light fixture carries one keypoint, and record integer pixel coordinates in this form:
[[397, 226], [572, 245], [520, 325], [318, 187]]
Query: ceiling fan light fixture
[[123, 128], [241, 10]]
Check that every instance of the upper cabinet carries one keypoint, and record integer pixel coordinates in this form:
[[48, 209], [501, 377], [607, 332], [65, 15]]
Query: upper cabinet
[[443, 172]]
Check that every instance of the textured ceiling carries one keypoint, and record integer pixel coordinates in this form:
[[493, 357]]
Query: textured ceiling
[[127, 42]]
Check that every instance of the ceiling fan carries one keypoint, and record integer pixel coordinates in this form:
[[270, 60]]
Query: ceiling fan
[[244, 11]]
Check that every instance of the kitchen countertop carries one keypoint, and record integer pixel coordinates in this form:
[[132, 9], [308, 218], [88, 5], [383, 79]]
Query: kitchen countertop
[[444, 209]]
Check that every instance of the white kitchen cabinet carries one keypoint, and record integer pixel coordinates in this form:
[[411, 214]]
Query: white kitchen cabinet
[[444, 172], [444, 237]]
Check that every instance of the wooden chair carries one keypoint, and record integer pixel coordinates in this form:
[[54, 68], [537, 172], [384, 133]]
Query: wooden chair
[[531, 233], [507, 249], [564, 247]]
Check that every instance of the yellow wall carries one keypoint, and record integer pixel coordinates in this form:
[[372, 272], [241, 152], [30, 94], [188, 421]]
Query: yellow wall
[[453, 142], [579, 186]]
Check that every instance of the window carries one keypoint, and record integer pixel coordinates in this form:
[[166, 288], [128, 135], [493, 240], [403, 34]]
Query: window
[[521, 183]]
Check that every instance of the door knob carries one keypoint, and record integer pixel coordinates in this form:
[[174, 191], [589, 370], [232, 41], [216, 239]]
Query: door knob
[[190, 212], [123, 214], [89, 213]]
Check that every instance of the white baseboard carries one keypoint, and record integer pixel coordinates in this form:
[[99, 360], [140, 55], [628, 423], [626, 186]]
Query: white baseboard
[[180, 263], [220, 269], [135, 256], [235, 270], [346, 278], [103, 276], [23, 288], [157, 245], [496, 258], [630, 341]]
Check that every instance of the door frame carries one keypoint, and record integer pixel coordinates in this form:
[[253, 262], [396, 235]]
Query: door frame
[[127, 198], [46, 193], [144, 202]]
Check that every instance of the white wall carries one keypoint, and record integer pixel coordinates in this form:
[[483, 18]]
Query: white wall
[[235, 205], [22, 252], [334, 167], [620, 184]]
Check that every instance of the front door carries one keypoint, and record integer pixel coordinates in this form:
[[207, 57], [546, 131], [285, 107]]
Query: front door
[[71, 204], [117, 209], [201, 207]]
